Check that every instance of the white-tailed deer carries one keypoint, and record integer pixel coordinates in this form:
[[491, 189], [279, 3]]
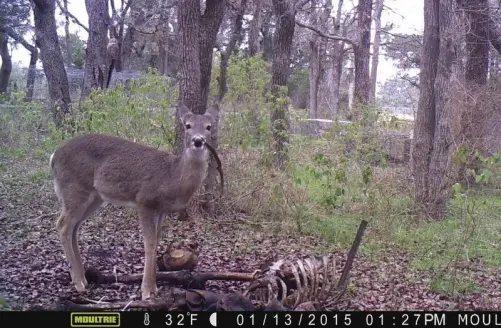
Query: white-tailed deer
[[92, 169]]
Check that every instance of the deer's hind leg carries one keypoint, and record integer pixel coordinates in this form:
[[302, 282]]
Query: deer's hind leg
[[78, 205]]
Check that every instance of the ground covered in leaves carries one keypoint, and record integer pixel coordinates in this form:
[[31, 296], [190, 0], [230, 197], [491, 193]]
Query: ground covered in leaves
[[33, 269]]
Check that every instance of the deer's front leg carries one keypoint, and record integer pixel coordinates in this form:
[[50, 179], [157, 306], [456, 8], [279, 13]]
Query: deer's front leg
[[149, 221]]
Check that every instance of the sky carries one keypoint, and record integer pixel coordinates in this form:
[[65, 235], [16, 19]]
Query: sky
[[406, 16]]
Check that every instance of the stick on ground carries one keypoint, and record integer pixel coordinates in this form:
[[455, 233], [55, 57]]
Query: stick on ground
[[345, 275]]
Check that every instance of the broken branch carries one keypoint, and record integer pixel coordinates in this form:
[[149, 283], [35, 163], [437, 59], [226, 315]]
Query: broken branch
[[75, 20], [325, 35], [343, 281], [183, 278]]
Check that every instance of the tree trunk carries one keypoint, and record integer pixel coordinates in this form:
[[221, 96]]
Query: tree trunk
[[476, 71], [255, 26], [209, 26], [197, 36], [32, 74], [362, 54], [375, 52], [52, 59], [424, 128], [236, 31], [69, 59], [439, 181], [337, 62], [267, 46], [190, 91], [314, 69], [6, 68], [282, 43], [164, 41], [97, 60]]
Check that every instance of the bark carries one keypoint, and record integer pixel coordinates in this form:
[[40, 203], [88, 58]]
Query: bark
[[314, 72], [476, 70], [424, 127], [52, 59], [69, 59], [97, 59], [439, 181], [255, 26], [164, 41], [32, 71], [267, 46], [197, 38], [375, 52], [209, 26], [282, 43], [6, 68], [190, 91], [362, 54]]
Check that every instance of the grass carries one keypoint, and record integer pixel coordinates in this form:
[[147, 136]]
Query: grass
[[461, 236]]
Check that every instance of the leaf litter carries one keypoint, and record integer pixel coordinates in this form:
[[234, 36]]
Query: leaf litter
[[33, 270]]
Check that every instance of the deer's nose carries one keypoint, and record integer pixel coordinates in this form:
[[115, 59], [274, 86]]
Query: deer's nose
[[198, 141]]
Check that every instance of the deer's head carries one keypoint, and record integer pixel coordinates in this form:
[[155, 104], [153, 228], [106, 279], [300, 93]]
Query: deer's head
[[197, 129]]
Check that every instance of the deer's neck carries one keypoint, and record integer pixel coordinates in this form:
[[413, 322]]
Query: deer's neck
[[193, 169]]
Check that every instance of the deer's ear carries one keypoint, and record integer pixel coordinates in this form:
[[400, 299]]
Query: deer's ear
[[183, 112], [213, 112]]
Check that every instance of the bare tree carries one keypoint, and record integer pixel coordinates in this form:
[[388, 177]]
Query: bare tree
[[360, 47], [14, 21], [52, 59], [67, 32], [476, 69], [30, 82], [319, 15], [286, 14], [439, 178], [424, 128], [362, 53], [210, 22], [6, 68], [255, 25], [378, 10], [197, 37], [117, 28], [337, 59], [432, 132], [97, 60]]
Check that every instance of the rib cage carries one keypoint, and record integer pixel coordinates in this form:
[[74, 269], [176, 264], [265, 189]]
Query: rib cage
[[295, 282]]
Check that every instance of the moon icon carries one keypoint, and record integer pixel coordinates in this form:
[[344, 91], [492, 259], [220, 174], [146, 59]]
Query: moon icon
[[213, 319]]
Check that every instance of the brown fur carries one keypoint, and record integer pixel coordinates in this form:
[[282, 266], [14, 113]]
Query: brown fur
[[92, 169]]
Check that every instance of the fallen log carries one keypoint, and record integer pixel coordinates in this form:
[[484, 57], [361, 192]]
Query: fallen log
[[184, 278]]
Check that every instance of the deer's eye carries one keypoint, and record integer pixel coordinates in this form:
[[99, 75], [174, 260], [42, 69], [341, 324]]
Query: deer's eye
[[208, 127], [188, 126]]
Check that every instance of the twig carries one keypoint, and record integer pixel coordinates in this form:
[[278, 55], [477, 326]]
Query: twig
[[48, 215], [66, 12]]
